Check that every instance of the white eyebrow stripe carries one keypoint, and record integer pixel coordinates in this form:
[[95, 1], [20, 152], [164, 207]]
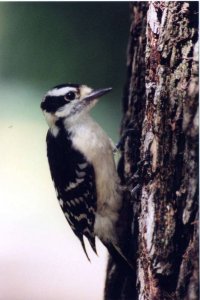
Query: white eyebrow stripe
[[61, 91]]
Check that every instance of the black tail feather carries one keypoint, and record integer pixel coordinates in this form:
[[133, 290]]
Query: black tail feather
[[118, 256], [91, 240], [83, 245]]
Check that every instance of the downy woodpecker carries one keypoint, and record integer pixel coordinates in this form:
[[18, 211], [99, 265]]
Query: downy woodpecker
[[82, 166]]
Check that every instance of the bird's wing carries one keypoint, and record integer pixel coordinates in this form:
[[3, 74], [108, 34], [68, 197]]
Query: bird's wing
[[74, 181]]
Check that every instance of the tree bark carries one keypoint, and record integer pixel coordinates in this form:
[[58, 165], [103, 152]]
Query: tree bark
[[159, 162]]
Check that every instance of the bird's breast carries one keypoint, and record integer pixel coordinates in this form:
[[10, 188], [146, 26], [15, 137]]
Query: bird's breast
[[95, 145]]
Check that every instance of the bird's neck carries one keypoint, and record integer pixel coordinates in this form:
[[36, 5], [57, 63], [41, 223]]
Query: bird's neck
[[69, 124]]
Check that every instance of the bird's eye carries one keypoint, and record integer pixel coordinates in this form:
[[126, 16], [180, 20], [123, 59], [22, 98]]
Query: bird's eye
[[70, 96]]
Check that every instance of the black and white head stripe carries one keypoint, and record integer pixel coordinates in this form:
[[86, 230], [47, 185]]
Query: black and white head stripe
[[75, 85], [58, 96], [55, 92]]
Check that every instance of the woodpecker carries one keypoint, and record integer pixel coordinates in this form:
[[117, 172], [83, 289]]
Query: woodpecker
[[80, 156]]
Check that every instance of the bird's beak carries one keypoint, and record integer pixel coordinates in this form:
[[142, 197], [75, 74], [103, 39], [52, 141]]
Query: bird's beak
[[95, 94]]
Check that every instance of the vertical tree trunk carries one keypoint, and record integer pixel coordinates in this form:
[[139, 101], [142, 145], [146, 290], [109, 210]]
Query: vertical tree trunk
[[159, 155]]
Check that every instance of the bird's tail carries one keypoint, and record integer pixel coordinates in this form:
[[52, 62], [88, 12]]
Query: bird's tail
[[91, 240], [118, 256]]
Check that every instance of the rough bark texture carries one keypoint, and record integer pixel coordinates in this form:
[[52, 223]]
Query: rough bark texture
[[159, 162]]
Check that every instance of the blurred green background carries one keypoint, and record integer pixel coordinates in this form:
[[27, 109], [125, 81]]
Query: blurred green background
[[45, 44]]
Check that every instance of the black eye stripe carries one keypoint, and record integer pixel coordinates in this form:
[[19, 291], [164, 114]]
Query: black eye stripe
[[52, 104]]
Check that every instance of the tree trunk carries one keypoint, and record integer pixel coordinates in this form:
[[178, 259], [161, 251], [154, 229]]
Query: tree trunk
[[159, 162]]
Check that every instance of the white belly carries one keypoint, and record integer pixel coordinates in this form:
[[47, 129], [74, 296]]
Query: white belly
[[89, 138]]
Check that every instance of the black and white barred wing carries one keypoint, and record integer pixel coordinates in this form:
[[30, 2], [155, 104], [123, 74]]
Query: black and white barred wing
[[74, 181]]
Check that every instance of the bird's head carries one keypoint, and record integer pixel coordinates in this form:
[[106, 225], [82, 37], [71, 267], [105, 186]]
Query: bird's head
[[69, 101]]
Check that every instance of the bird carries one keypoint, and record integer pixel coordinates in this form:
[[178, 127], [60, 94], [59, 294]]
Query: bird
[[82, 166]]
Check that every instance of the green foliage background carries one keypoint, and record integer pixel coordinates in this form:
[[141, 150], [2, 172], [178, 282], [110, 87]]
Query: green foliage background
[[43, 44]]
